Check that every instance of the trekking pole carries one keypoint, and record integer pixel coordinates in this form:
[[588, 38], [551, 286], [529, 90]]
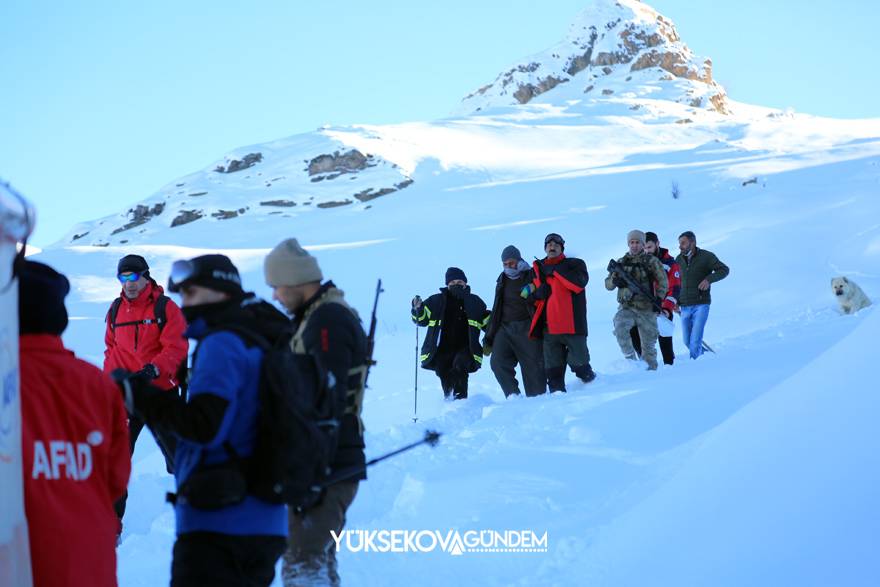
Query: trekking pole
[[706, 347], [416, 397], [431, 438]]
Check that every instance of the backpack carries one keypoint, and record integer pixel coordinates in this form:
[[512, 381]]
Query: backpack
[[158, 311], [296, 428], [160, 320]]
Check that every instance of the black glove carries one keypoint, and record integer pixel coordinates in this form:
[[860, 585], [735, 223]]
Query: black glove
[[618, 281], [543, 292], [668, 313], [148, 373], [548, 270]]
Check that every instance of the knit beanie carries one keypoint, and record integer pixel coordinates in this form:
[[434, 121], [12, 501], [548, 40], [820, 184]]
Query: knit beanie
[[290, 264], [41, 293], [455, 273], [134, 264], [510, 252], [636, 235], [212, 271], [652, 237]]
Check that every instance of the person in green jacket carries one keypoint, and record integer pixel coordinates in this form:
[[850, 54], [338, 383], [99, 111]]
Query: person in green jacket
[[699, 270]]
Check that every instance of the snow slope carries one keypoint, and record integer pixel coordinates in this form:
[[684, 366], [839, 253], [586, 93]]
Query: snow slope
[[755, 466]]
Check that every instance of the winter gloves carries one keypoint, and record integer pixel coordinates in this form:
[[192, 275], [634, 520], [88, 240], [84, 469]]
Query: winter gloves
[[542, 292], [148, 373], [487, 346]]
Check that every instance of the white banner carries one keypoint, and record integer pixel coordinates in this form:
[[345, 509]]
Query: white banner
[[15, 559]]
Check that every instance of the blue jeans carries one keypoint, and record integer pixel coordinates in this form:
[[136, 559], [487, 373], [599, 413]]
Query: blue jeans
[[693, 321]]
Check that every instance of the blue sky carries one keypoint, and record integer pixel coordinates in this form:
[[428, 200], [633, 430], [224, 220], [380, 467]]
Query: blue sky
[[103, 102]]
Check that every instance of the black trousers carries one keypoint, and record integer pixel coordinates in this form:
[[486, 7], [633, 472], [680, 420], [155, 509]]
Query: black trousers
[[167, 444], [224, 560], [665, 346], [512, 346], [452, 369]]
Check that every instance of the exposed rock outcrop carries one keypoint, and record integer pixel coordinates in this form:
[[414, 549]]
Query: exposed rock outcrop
[[337, 163], [186, 216], [234, 165], [138, 215]]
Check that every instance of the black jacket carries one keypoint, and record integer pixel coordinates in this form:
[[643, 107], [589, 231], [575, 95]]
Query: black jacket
[[497, 306], [431, 315], [560, 297], [334, 337]]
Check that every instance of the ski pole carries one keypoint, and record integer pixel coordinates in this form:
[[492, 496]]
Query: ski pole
[[431, 438], [706, 347], [416, 396]]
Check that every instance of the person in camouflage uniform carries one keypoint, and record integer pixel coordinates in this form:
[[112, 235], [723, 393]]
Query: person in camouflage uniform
[[635, 309]]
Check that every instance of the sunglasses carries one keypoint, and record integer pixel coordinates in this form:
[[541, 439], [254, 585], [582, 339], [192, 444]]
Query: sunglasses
[[123, 277]]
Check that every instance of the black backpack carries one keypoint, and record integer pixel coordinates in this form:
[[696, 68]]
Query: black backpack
[[296, 427], [158, 311], [160, 320]]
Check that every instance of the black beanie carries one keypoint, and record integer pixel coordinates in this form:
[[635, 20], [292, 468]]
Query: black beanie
[[455, 273], [132, 263], [41, 293], [212, 271], [652, 237]]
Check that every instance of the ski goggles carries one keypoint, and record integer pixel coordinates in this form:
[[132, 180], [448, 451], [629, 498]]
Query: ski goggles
[[181, 272], [553, 238], [123, 277]]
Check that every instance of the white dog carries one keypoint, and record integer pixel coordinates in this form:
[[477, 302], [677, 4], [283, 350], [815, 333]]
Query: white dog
[[849, 295]]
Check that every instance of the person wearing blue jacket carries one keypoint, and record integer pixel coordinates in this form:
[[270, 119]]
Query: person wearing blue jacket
[[224, 535]]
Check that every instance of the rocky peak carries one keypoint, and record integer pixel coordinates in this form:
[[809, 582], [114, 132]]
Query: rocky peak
[[610, 37]]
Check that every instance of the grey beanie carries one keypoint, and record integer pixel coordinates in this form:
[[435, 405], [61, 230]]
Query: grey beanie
[[637, 235], [510, 252], [290, 264]]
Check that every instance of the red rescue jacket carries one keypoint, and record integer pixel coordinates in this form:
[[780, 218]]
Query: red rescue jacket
[[132, 346], [673, 277], [565, 311], [76, 462]]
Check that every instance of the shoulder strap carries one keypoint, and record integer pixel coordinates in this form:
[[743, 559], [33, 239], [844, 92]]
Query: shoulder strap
[[159, 311], [112, 312]]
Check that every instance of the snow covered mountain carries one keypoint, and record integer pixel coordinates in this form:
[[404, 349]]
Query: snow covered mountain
[[755, 466], [613, 47]]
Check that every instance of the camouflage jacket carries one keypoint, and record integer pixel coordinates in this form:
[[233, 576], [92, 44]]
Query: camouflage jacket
[[647, 270]]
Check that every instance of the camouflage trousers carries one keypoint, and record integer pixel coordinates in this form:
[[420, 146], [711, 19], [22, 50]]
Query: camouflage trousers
[[311, 554], [646, 322]]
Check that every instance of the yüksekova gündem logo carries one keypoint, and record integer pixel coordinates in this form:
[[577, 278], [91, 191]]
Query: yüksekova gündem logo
[[453, 542]]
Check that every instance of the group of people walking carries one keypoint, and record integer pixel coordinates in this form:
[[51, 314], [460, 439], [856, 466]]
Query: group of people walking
[[80, 425], [80, 428], [538, 318]]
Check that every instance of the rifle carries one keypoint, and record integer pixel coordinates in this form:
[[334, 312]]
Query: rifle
[[633, 285], [615, 267], [371, 337]]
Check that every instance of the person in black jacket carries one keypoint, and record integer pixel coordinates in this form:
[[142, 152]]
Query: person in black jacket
[[559, 294], [507, 335], [329, 330], [454, 318]]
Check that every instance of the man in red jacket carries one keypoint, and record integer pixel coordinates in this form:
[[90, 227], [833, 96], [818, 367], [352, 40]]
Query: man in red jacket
[[559, 293], [144, 334], [74, 443]]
